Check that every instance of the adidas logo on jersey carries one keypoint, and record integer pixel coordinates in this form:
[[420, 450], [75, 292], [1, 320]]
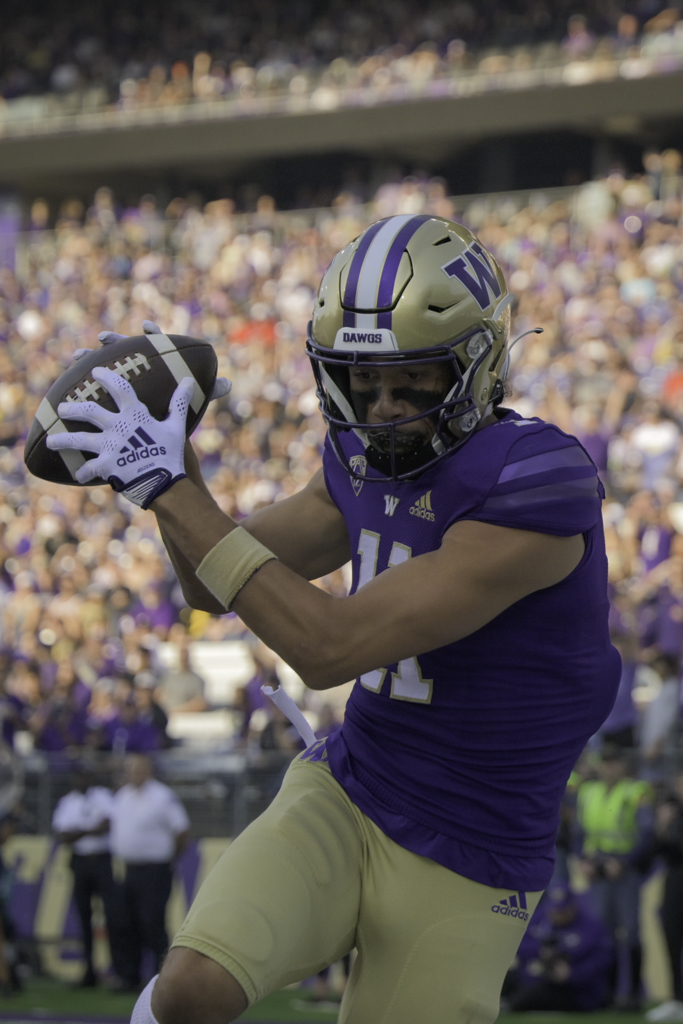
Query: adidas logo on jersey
[[423, 507], [139, 449], [514, 906]]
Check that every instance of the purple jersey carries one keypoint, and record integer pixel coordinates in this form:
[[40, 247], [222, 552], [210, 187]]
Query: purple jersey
[[463, 754]]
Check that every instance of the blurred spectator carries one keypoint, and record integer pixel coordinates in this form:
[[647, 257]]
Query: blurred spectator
[[614, 828], [60, 721], [149, 829], [147, 707], [82, 821], [578, 42], [279, 735], [566, 960], [251, 698], [153, 612], [668, 844], [619, 727], [328, 721], [660, 720], [132, 727], [181, 689], [10, 981]]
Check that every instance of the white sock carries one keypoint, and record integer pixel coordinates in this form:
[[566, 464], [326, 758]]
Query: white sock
[[142, 1011]]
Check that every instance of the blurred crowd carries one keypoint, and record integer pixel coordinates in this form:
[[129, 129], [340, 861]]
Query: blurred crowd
[[130, 57], [87, 596]]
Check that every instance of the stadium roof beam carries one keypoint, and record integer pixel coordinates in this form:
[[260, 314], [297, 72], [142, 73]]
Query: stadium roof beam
[[108, 142]]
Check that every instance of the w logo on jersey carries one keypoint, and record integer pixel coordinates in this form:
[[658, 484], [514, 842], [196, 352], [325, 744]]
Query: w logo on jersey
[[514, 906], [390, 504], [476, 273]]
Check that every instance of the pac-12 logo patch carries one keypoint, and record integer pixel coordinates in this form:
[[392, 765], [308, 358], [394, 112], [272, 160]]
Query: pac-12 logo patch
[[358, 464]]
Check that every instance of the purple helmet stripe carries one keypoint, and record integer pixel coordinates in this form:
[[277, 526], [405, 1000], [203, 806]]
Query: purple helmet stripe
[[349, 318], [357, 264], [385, 292]]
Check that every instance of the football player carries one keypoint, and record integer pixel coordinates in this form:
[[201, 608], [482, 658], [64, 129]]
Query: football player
[[422, 833]]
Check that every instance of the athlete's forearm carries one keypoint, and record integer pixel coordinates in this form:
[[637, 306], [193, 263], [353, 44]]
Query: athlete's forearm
[[191, 521], [194, 591], [293, 617]]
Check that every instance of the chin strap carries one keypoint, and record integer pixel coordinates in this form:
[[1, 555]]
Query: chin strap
[[506, 365]]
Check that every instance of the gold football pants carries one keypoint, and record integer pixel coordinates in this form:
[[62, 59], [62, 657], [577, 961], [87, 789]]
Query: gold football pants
[[313, 877]]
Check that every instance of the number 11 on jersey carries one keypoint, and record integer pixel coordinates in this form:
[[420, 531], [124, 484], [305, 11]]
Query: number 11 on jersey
[[407, 682]]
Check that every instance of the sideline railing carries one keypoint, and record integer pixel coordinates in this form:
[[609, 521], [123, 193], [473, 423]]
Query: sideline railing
[[221, 792]]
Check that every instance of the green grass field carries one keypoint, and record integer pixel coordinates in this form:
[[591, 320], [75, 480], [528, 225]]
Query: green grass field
[[47, 1001]]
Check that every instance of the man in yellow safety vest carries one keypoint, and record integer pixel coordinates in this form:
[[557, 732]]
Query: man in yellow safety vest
[[614, 825]]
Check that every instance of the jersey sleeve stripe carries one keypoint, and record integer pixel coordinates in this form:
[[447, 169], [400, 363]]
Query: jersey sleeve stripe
[[550, 476], [585, 487], [570, 456]]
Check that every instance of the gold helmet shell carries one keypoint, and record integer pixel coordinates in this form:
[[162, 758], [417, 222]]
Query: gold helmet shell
[[415, 287]]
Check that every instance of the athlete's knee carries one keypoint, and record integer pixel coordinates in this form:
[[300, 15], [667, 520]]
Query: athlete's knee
[[192, 988]]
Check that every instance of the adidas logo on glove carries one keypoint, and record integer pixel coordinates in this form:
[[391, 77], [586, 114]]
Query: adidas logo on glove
[[147, 450]]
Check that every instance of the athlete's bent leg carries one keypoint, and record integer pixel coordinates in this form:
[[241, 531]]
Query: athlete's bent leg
[[433, 947], [191, 988], [281, 903]]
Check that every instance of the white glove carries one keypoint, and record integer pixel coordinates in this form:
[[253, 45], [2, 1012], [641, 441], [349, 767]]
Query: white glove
[[221, 388], [138, 455]]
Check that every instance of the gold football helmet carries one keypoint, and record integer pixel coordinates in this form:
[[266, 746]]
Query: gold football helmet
[[410, 289]]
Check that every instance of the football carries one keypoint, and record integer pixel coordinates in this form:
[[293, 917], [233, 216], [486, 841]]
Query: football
[[153, 364]]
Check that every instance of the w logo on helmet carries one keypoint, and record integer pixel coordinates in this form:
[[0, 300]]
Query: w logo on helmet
[[483, 286]]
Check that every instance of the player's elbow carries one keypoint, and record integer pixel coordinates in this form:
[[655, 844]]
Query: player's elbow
[[321, 665], [203, 602]]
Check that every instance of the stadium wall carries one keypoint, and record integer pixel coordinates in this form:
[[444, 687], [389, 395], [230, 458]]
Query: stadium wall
[[43, 909], [32, 152]]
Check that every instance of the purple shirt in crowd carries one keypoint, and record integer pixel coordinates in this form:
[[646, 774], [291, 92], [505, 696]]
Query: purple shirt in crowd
[[463, 754], [584, 943], [139, 736], [667, 627], [655, 546]]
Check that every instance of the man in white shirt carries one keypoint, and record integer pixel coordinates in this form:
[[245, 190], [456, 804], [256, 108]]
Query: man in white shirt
[[149, 828], [82, 820]]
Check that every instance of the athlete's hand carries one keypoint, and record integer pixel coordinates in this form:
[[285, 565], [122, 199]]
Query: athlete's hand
[[221, 387], [136, 453]]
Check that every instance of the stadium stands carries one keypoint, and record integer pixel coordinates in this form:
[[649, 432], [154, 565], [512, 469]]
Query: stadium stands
[[88, 598], [213, 93], [324, 55]]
